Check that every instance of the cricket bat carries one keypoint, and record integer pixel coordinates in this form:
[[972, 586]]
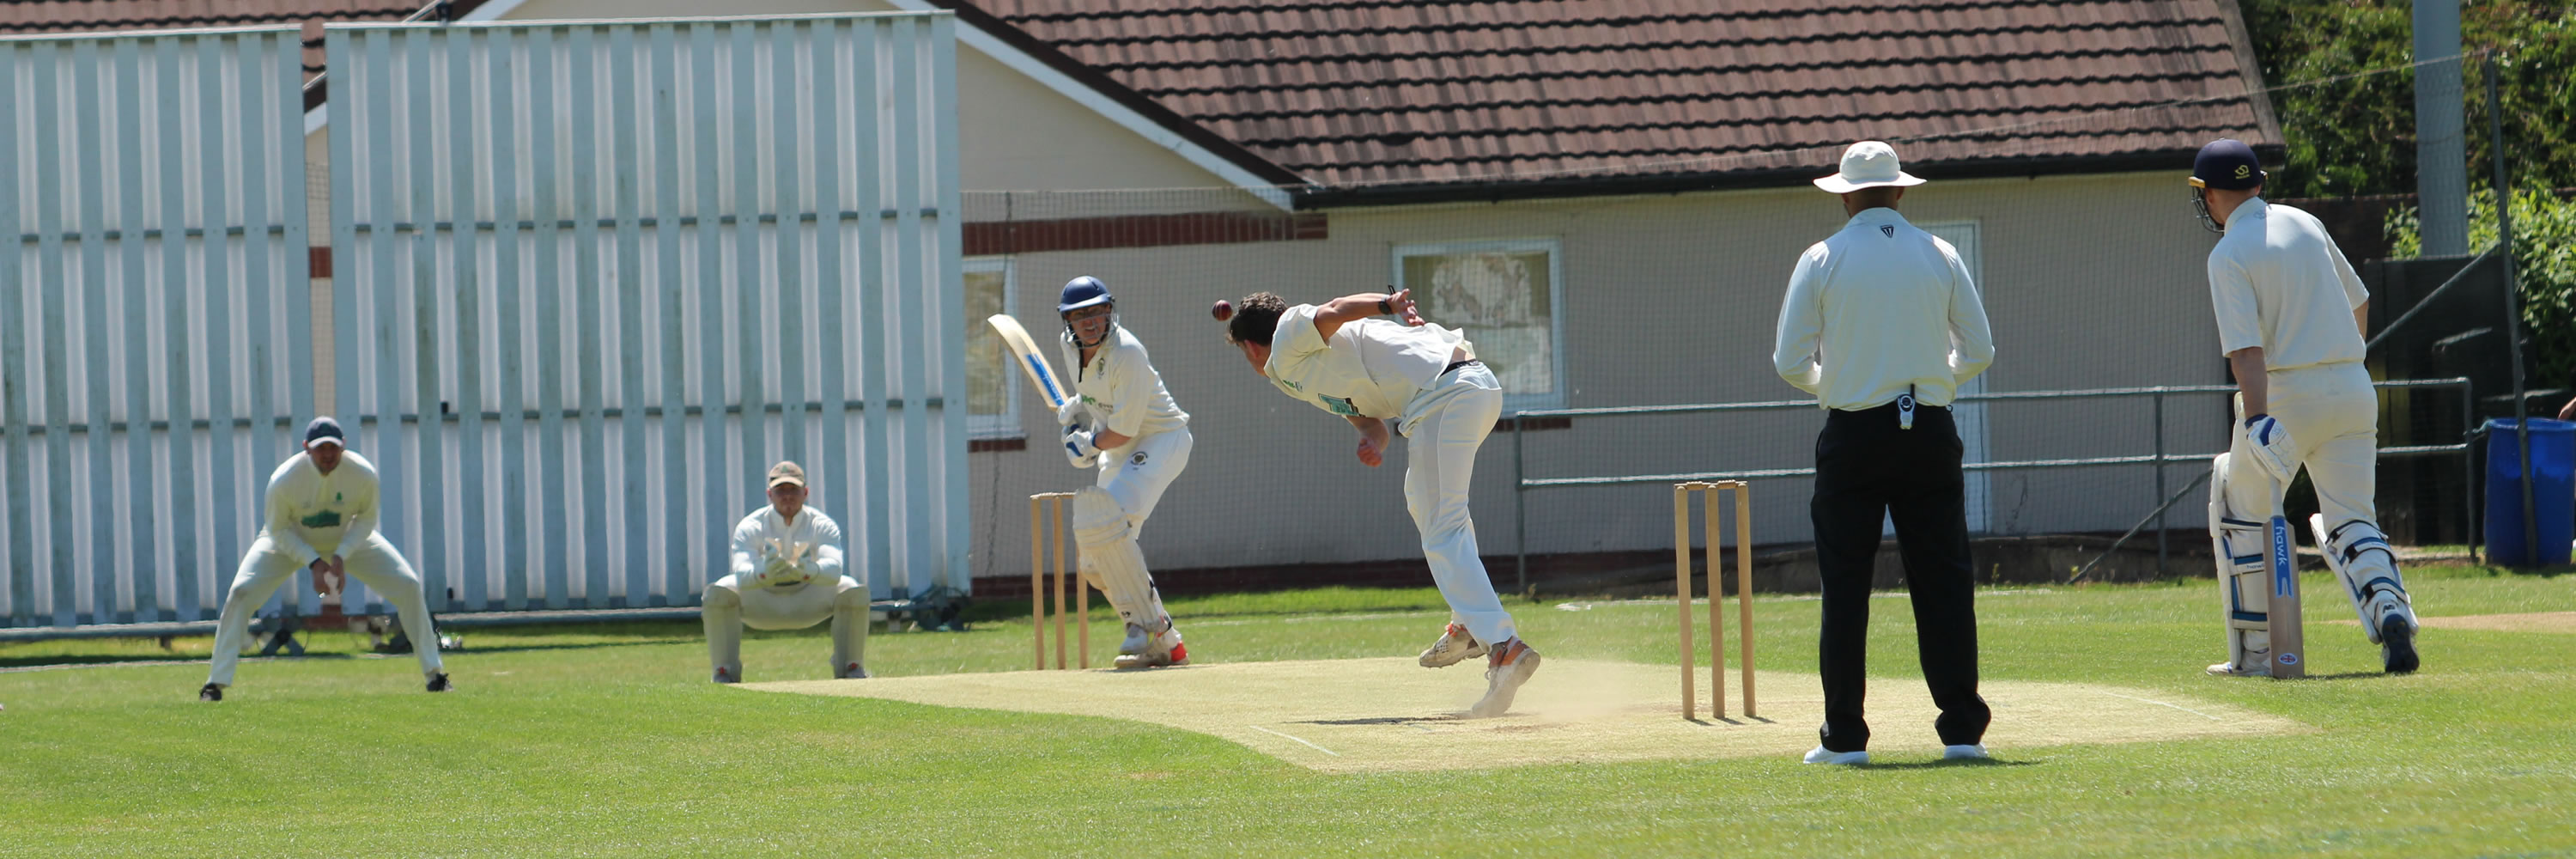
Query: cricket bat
[[2289, 656], [1025, 350]]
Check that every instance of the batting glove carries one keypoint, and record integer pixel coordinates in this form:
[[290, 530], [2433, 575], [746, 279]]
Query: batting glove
[[1066, 415], [2271, 448], [1078, 447]]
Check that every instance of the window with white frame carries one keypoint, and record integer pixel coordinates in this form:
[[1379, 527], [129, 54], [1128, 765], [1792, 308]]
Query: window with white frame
[[1504, 295], [992, 395]]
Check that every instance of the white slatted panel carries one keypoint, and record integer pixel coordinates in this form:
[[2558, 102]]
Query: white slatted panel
[[593, 278], [154, 336]]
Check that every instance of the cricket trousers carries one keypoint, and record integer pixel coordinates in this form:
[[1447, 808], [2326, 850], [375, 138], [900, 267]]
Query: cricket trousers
[[1870, 470]]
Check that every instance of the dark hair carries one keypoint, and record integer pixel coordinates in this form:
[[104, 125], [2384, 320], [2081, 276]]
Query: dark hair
[[1255, 317]]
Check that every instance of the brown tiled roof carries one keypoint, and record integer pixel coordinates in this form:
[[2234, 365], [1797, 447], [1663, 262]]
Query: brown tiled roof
[[1426, 92], [63, 17]]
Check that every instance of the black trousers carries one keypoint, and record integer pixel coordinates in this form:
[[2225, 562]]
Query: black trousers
[[1868, 470]]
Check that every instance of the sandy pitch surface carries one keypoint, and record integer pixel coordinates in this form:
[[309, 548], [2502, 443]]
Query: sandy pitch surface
[[2542, 621], [1376, 715]]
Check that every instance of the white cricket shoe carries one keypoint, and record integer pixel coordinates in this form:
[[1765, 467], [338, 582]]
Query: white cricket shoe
[[1456, 645], [1505, 671], [2229, 669], [1969, 752], [1161, 650], [1136, 641], [1819, 755]]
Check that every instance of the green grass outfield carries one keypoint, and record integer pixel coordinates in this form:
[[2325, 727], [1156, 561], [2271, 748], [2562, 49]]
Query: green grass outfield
[[608, 741]]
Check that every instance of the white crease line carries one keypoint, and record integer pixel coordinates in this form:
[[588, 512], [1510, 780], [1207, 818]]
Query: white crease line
[[2163, 704], [1297, 738]]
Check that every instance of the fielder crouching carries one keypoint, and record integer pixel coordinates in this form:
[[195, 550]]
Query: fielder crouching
[[2290, 315], [786, 575], [321, 513]]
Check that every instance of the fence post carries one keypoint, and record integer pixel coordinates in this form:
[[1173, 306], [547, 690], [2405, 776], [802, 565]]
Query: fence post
[[1520, 519], [2160, 481], [2512, 314]]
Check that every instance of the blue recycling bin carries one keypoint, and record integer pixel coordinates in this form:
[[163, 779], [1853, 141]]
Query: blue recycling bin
[[2553, 492]]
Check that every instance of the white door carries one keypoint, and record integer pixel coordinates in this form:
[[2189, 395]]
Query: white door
[[1971, 417]]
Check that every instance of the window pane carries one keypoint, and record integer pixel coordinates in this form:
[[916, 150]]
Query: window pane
[[1501, 299], [988, 383]]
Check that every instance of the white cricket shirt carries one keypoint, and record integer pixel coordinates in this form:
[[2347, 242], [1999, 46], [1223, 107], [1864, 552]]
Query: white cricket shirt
[[2277, 281], [1121, 388], [1369, 369], [311, 515], [1876, 308], [752, 536]]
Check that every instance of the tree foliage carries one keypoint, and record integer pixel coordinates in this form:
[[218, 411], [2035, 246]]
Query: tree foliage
[[2544, 254], [2355, 135]]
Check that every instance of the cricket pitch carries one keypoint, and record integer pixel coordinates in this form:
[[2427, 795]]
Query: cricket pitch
[[1379, 715]]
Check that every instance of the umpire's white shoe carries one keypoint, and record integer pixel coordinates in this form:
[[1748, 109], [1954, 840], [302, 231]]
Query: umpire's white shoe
[[1456, 645], [2229, 669], [1505, 671], [1969, 752], [1819, 755]]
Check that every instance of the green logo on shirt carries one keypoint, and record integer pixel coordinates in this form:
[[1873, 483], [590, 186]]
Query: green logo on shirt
[[1340, 406], [324, 519]]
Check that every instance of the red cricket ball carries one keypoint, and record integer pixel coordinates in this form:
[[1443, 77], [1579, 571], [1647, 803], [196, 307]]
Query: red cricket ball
[[1223, 310]]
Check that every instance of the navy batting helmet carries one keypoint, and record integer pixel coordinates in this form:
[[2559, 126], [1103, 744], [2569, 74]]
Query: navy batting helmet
[[1082, 292], [2228, 165]]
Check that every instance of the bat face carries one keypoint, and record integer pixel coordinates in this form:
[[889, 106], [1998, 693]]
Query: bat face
[[2283, 621], [1024, 352]]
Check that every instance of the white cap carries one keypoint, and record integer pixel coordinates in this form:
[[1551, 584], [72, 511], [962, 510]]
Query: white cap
[[1868, 164]]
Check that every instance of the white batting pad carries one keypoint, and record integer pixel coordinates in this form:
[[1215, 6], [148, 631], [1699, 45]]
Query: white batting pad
[[1109, 547], [2359, 555]]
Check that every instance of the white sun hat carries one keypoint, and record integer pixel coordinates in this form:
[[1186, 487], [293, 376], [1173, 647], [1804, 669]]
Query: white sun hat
[[1868, 164]]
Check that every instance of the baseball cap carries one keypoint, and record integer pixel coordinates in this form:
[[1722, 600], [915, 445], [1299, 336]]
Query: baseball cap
[[324, 431], [2226, 164], [786, 472]]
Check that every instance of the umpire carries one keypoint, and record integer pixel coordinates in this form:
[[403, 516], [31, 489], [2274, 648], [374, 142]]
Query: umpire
[[1893, 316]]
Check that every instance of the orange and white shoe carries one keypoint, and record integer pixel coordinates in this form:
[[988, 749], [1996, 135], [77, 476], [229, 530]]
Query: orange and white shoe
[[1456, 645], [1509, 666], [1163, 650]]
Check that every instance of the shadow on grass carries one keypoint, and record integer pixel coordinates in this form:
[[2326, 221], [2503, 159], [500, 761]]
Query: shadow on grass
[[69, 660], [1945, 764]]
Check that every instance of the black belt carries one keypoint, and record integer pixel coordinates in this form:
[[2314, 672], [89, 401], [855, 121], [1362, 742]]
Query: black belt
[[1454, 365]]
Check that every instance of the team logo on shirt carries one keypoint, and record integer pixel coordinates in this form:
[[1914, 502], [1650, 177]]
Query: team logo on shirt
[[1340, 406], [324, 519], [1889, 229]]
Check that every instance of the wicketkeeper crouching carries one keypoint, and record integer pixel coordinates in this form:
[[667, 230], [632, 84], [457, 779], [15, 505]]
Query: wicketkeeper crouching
[[786, 575]]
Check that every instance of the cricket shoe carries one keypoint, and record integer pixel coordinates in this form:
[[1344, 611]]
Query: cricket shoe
[[1456, 645], [726, 676], [2229, 669], [1155, 654], [852, 671], [1821, 755], [211, 692], [1969, 752], [438, 683], [1505, 671], [2397, 645], [1136, 643]]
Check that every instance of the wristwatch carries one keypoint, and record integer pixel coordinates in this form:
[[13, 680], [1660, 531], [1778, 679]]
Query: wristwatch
[[1386, 307]]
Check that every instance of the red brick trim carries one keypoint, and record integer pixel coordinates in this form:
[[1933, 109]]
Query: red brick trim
[[995, 238]]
